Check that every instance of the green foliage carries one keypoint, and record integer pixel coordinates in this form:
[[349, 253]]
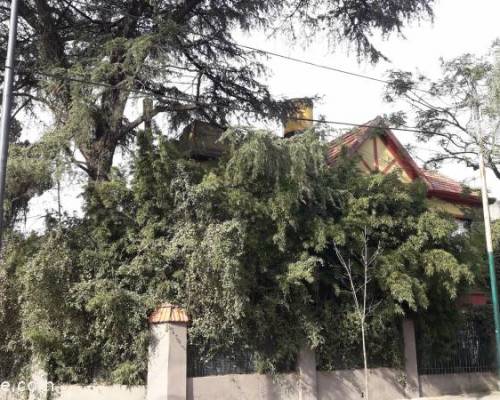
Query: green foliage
[[245, 244], [14, 355], [162, 49], [342, 347], [29, 174], [444, 108], [442, 345]]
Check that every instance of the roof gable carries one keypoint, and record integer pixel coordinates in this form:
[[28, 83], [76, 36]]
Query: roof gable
[[380, 151]]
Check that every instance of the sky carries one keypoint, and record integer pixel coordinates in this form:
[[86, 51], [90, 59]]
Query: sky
[[459, 26]]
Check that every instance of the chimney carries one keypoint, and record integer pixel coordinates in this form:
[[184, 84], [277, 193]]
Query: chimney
[[301, 109]]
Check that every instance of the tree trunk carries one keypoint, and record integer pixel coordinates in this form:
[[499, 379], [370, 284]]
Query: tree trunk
[[365, 360], [99, 150], [99, 158], [99, 166]]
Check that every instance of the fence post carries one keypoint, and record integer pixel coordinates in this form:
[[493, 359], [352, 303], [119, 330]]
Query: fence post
[[167, 358], [410, 354], [306, 367]]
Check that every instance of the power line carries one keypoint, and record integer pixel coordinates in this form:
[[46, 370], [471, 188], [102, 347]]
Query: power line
[[198, 104], [210, 105], [270, 53], [105, 85], [327, 67], [310, 63], [394, 128]]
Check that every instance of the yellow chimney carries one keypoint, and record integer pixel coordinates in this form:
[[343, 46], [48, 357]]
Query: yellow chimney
[[300, 119]]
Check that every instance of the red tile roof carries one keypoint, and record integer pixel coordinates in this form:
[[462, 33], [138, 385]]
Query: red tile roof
[[443, 186], [168, 313], [348, 141], [441, 182], [438, 185]]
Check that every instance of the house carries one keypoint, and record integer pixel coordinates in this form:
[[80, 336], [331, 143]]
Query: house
[[376, 150], [376, 146], [379, 150]]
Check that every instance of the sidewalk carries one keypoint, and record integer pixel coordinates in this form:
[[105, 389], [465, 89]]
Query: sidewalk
[[479, 396]]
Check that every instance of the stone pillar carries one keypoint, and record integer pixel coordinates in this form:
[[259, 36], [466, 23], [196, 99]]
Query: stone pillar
[[410, 353], [306, 368], [167, 359]]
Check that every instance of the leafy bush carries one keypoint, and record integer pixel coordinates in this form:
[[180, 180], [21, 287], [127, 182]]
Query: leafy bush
[[245, 244]]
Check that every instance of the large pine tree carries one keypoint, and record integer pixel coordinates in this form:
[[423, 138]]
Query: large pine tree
[[148, 46]]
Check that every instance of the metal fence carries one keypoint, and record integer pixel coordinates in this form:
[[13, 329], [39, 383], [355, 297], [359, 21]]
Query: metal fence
[[471, 349], [236, 362]]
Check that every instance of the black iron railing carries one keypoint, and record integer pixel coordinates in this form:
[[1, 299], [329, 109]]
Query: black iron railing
[[236, 362], [471, 349]]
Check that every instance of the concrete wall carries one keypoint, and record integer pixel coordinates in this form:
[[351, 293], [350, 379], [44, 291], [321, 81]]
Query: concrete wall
[[167, 377], [91, 392], [384, 384], [112, 392], [243, 387], [4, 395], [437, 385]]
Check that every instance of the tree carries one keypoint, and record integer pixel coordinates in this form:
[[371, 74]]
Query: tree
[[358, 282], [443, 108], [180, 53], [15, 356], [30, 174], [246, 245]]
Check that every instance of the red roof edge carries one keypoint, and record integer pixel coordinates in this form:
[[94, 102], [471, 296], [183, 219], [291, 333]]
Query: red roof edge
[[462, 198], [437, 185]]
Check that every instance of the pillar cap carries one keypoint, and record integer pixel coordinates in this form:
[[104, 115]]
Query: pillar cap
[[168, 313]]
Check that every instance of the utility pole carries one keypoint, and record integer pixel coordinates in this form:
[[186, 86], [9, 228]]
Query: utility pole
[[487, 229], [7, 105]]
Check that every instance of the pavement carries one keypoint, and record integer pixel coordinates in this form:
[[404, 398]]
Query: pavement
[[479, 396]]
